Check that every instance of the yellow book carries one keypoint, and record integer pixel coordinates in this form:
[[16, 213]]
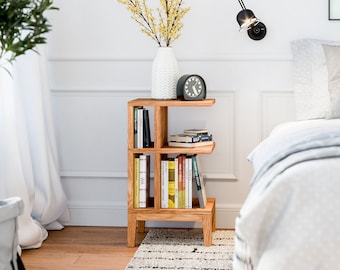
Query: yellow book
[[171, 183]]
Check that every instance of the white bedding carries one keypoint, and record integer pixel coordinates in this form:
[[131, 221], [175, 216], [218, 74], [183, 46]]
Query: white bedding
[[291, 217]]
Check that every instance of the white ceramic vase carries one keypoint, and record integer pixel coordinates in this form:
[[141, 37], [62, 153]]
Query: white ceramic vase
[[165, 74]]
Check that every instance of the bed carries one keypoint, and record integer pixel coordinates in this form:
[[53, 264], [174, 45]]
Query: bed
[[291, 217]]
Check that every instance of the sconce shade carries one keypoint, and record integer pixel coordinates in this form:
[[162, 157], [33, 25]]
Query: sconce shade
[[248, 21], [245, 19]]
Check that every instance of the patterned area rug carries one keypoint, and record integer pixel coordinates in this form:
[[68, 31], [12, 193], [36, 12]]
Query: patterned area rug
[[184, 249]]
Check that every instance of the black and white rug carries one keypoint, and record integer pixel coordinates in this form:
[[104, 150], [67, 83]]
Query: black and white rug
[[184, 249]]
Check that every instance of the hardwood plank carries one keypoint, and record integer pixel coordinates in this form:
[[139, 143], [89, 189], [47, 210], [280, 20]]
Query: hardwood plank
[[85, 248]]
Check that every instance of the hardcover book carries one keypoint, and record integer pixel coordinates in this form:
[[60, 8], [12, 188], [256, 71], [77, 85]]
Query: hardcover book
[[196, 131], [140, 128], [171, 183], [135, 124], [164, 183], [198, 178], [136, 183], [176, 183], [190, 138], [181, 181], [189, 145], [146, 132], [144, 177], [188, 182]]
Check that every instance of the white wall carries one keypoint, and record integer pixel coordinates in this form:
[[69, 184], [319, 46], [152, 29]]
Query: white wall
[[99, 59]]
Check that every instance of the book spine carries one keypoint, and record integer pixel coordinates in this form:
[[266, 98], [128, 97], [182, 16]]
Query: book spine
[[136, 183], [195, 131], [171, 183], [181, 182], [190, 138], [164, 183], [146, 129], [206, 137], [202, 198], [147, 180], [176, 183], [135, 126], [140, 131], [188, 182], [184, 138], [143, 181], [204, 194]]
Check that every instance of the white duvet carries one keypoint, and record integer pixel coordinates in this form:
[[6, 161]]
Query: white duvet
[[291, 217]]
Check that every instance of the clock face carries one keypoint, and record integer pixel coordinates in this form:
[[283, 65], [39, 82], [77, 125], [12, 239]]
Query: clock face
[[193, 86]]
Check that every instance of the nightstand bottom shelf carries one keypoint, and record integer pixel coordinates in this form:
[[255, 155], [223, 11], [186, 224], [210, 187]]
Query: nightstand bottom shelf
[[205, 215]]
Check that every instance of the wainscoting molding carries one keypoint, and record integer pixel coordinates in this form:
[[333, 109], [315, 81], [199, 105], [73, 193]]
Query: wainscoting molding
[[89, 99]]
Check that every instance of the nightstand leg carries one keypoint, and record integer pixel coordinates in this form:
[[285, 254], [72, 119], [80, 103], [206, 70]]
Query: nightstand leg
[[213, 216], [207, 227], [131, 233]]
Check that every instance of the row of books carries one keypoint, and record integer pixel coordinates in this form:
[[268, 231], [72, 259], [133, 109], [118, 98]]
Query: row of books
[[178, 176], [191, 138], [142, 135]]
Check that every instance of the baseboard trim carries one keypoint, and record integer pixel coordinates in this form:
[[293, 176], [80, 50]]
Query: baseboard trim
[[109, 214]]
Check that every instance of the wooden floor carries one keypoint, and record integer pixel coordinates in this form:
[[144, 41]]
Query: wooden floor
[[85, 248]]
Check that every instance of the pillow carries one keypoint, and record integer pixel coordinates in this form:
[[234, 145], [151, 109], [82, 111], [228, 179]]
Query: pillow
[[310, 78], [332, 54]]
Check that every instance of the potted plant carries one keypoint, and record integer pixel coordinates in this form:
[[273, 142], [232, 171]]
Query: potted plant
[[23, 25], [163, 25]]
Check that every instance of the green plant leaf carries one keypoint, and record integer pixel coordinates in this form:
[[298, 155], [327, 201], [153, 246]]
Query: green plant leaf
[[23, 25]]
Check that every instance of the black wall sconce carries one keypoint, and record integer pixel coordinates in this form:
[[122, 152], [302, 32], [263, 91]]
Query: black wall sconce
[[248, 21]]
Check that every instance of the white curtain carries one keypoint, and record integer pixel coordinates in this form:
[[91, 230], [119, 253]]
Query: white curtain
[[28, 154]]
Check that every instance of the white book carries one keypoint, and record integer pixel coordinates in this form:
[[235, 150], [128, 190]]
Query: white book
[[164, 184], [176, 183], [140, 128], [143, 180], [188, 182]]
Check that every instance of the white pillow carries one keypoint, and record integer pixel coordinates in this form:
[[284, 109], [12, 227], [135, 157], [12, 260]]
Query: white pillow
[[310, 78], [332, 54]]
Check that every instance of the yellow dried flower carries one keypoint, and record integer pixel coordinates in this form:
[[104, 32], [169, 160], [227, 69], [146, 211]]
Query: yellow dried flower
[[167, 27]]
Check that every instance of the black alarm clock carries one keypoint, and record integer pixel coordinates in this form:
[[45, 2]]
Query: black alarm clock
[[191, 87]]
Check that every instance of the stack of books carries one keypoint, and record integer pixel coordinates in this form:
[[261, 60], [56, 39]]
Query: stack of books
[[178, 176], [191, 138]]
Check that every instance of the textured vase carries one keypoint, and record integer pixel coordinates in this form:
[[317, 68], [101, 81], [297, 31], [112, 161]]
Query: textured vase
[[165, 74]]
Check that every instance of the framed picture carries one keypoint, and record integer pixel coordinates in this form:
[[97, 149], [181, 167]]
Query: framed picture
[[334, 9]]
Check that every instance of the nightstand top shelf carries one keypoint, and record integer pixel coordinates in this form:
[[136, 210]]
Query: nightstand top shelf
[[171, 102], [173, 150]]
